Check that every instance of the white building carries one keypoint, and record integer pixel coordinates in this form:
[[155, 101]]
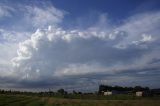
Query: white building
[[108, 93], [139, 93]]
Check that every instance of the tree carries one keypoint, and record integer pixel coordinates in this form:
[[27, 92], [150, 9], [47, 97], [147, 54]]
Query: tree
[[61, 91], [74, 92]]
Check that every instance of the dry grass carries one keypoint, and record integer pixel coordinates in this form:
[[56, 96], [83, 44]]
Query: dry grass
[[19, 100], [77, 102]]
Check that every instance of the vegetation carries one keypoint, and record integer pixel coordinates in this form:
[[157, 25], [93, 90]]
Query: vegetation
[[25, 100], [119, 88], [63, 98]]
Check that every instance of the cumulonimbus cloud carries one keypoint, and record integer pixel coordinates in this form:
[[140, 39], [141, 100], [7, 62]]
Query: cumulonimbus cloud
[[56, 52], [74, 57]]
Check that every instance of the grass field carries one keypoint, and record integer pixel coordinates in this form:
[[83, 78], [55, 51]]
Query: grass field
[[23, 100]]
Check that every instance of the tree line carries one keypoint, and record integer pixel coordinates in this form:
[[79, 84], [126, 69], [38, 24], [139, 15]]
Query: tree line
[[120, 88], [102, 88]]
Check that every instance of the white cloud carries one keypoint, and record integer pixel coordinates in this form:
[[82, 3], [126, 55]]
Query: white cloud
[[21, 17], [55, 51], [5, 11], [140, 28], [43, 49], [146, 38], [100, 50], [13, 36], [40, 17], [8, 49]]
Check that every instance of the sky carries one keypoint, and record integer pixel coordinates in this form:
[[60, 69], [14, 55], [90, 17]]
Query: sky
[[79, 44]]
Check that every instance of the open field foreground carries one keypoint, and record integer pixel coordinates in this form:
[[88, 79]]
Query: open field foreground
[[23, 100]]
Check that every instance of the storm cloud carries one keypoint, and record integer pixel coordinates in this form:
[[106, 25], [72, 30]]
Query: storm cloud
[[54, 57]]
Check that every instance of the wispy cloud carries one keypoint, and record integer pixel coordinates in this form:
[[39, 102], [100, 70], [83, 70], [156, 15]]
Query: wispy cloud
[[6, 11], [40, 17]]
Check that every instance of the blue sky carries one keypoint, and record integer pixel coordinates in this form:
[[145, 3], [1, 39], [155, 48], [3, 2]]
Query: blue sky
[[79, 44], [117, 10]]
